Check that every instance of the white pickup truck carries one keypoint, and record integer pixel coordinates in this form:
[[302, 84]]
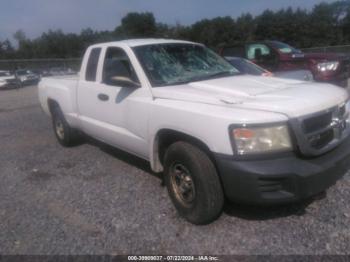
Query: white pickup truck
[[214, 133]]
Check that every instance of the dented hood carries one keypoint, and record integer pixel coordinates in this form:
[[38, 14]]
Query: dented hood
[[289, 97]]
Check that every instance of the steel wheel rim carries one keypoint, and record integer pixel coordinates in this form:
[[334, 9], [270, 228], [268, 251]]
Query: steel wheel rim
[[59, 129], [182, 184]]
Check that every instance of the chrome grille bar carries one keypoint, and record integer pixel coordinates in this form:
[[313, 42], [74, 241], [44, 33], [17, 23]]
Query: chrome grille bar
[[323, 134]]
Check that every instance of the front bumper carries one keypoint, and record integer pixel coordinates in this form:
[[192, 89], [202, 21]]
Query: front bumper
[[285, 179]]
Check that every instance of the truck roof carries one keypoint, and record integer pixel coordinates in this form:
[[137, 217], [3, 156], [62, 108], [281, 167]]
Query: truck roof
[[143, 41]]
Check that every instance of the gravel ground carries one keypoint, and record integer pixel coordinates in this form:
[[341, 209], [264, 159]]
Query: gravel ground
[[92, 199]]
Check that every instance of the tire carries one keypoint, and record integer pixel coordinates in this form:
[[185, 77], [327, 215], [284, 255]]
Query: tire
[[65, 135], [197, 195]]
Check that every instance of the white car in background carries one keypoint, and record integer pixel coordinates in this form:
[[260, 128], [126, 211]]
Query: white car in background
[[6, 79], [27, 77]]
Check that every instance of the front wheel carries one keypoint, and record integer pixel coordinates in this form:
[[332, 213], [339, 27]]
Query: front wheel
[[193, 183]]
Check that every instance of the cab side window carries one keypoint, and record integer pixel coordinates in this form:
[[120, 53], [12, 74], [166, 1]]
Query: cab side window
[[117, 69], [91, 68]]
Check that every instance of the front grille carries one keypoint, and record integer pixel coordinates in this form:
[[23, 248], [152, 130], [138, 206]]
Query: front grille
[[313, 124], [322, 131], [317, 131], [321, 140]]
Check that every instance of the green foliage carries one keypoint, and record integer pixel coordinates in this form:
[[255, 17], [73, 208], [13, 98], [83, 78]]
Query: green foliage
[[136, 25], [326, 24], [213, 32]]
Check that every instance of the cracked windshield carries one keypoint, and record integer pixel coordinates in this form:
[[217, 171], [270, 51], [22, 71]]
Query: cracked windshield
[[172, 64]]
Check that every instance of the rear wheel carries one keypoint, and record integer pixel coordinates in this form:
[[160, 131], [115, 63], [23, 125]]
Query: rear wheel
[[193, 183], [65, 135]]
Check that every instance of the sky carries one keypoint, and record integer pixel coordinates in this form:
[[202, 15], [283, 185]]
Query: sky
[[37, 16]]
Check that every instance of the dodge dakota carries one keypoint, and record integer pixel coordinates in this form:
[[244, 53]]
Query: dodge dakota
[[214, 133]]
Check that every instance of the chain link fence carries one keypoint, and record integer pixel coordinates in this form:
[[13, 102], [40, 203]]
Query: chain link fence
[[345, 49], [74, 63], [41, 64]]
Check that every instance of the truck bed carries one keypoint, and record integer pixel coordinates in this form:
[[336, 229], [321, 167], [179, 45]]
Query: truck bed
[[75, 76], [64, 87]]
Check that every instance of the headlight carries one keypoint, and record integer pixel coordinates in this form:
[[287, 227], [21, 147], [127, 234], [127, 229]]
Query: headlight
[[253, 140], [327, 66]]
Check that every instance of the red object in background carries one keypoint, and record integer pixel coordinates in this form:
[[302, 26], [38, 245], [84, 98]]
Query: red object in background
[[267, 73], [276, 56]]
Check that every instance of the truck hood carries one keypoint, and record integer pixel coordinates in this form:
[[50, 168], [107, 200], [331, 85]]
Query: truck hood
[[289, 97]]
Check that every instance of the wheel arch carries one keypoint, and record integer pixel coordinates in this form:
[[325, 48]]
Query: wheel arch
[[52, 105], [164, 138]]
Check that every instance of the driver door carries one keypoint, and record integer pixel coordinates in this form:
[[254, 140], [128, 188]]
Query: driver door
[[107, 106]]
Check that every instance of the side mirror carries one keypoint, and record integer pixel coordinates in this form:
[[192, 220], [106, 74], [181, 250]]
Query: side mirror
[[124, 82]]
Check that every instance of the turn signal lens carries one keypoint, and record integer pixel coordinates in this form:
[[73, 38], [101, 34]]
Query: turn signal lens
[[243, 133]]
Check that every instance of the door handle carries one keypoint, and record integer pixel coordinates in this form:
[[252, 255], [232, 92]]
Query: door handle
[[103, 97]]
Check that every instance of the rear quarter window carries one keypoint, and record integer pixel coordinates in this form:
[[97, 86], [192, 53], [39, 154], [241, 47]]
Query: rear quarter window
[[91, 68]]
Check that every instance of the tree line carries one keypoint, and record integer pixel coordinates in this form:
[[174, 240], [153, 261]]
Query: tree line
[[325, 25]]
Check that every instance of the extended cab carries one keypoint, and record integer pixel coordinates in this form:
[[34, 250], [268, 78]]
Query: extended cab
[[279, 57], [213, 132]]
